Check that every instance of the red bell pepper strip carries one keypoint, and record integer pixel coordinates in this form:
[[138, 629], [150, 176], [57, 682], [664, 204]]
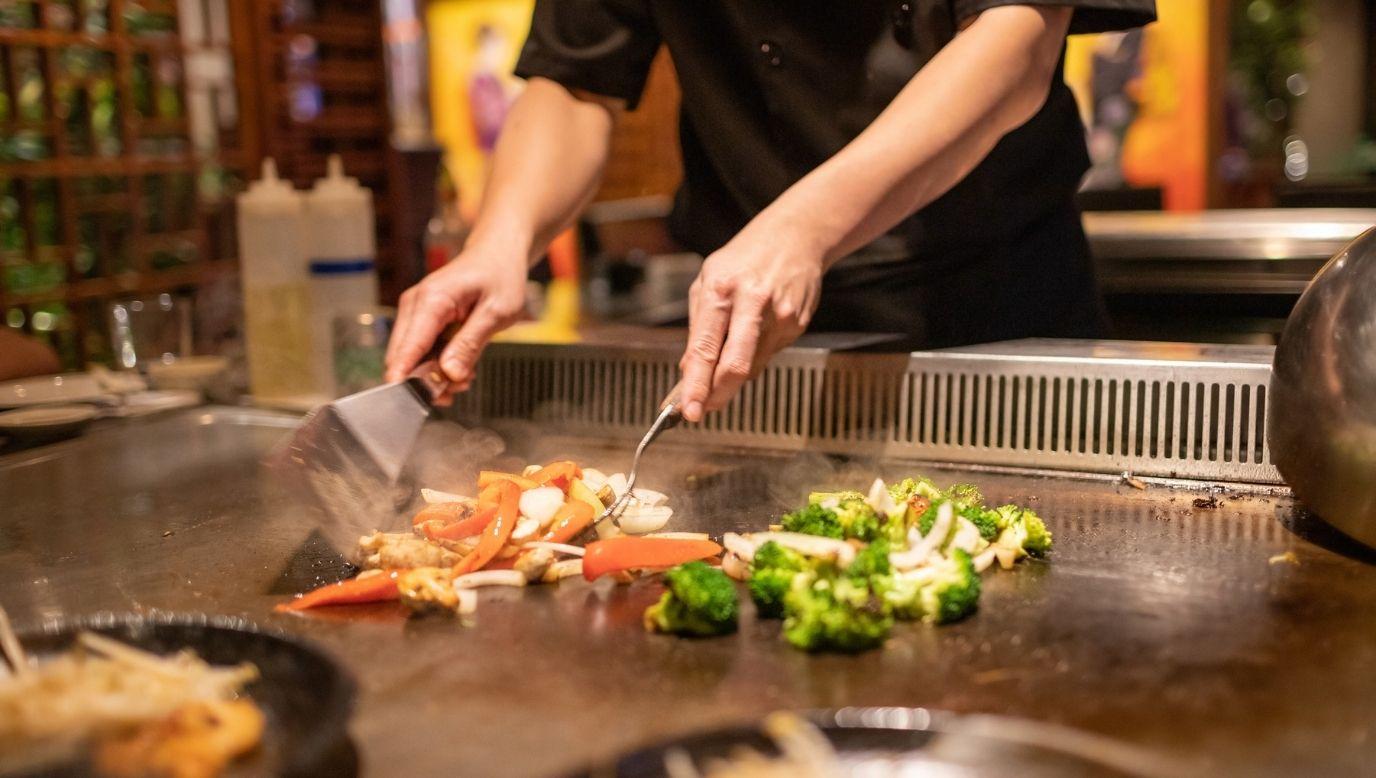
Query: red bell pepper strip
[[487, 478], [557, 474], [628, 553], [572, 518], [371, 588], [444, 512], [464, 528], [497, 532]]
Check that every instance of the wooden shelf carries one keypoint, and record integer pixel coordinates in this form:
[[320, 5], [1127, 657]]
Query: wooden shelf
[[130, 284]]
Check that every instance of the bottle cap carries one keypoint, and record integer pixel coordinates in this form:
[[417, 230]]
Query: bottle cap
[[270, 192]]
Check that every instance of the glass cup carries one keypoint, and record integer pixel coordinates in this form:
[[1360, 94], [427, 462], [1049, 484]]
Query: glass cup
[[150, 330], [359, 348]]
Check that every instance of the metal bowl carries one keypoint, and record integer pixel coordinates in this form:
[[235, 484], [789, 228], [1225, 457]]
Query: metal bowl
[[1323, 393]]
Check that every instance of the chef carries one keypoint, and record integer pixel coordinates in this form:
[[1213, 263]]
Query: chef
[[848, 165]]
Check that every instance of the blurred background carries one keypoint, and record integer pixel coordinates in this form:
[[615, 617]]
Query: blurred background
[[128, 127]]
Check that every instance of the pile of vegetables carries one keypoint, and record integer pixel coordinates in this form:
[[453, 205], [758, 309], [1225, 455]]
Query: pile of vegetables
[[840, 570], [520, 529]]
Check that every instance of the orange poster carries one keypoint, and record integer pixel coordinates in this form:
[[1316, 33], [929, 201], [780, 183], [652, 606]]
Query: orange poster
[[1144, 98]]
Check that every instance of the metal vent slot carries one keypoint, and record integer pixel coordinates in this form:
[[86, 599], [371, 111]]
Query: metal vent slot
[[1199, 420]]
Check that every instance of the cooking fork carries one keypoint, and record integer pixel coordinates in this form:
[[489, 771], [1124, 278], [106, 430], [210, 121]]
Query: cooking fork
[[670, 414]]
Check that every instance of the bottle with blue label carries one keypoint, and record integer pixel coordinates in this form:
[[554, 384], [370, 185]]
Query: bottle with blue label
[[342, 246]]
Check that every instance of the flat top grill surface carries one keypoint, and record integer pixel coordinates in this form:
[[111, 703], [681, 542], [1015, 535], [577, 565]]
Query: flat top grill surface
[[1156, 622]]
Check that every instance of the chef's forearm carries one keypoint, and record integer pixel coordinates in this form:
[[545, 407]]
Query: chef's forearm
[[546, 168], [991, 79]]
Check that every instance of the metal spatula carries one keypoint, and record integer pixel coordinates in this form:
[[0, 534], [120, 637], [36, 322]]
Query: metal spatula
[[670, 414], [348, 455]]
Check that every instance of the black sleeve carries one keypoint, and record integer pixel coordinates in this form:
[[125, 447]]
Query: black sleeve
[[599, 46], [1090, 15]]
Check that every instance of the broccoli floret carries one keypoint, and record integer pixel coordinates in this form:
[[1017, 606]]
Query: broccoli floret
[[944, 593], [928, 517], [701, 600], [985, 520], [832, 499], [771, 574], [827, 613], [814, 520], [858, 518], [871, 561], [965, 495], [914, 487], [1023, 530], [1038, 536]]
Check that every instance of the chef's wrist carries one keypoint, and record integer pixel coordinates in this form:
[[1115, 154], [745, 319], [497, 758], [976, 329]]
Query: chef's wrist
[[501, 245], [797, 233]]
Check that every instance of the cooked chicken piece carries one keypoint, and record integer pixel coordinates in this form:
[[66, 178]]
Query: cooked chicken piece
[[427, 590], [533, 563], [196, 741], [402, 549]]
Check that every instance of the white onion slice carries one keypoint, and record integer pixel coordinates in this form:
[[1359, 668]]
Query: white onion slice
[[966, 537], [542, 503], [918, 552], [740, 546], [526, 529], [617, 481], [735, 567], [650, 497], [809, 545], [558, 548], [680, 535], [435, 496], [490, 578], [640, 519], [594, 478], [468, 602], [882, 502], [530, 470], [985, 559]]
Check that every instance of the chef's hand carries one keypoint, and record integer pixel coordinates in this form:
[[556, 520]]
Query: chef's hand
[[752, 298], [481, 292]]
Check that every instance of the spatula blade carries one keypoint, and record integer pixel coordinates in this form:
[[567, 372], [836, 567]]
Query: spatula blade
[[347, 456]]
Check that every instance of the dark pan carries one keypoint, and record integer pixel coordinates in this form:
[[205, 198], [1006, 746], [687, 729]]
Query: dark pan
[[306, 697], [915, 741]]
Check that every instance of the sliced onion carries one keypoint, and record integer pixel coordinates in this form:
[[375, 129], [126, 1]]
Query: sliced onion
[[468, 602], [608, 529], [680, 535], [966, 537], [526, 529], [541, 503], [490, 578], [435, 496], [919, 551], [564, 568], [985, 559], [740, 546], [809, 545], [530, 470], [594, 478], [617, 481], [558, 548], [735, 567], [650, 497], [882, 502], [640, 519]]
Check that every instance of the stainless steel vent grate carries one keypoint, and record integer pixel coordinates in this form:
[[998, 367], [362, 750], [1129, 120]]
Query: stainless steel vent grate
[[1099, 407]]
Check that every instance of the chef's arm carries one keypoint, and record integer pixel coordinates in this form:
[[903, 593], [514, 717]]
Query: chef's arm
[[993, 78], [546, 167], [757, 293]]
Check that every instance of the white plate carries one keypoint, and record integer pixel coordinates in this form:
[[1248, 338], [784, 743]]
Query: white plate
[[144, 403], [65, 388], [47, 420]]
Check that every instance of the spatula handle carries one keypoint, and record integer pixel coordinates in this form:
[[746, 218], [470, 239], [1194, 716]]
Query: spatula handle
[[429, 380]]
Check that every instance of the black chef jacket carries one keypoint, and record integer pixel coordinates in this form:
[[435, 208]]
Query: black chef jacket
[[773, 88]]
